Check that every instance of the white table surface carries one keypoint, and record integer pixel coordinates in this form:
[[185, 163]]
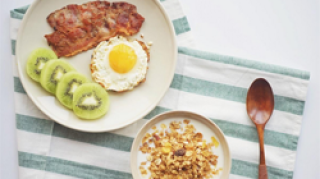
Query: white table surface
[[285, 32]]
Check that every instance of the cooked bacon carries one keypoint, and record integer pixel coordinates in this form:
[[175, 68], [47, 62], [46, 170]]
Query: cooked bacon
[[81, 27]]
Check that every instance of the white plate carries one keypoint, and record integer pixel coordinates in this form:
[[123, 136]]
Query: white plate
[[125, 108], [202, 124]]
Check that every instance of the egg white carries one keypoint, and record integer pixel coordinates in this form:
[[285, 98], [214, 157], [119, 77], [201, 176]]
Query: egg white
[[110, 79]]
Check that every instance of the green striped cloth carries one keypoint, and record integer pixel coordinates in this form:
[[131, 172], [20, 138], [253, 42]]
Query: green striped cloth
[[209, 84]]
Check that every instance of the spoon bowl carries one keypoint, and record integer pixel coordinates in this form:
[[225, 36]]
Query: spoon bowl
[[260, 105], [260, 101]]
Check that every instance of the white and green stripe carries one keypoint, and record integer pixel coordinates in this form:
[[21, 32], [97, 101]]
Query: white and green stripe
[[246, 63], [77, 142], [209, 69], [206, 83], [69, 168], [19, 12]]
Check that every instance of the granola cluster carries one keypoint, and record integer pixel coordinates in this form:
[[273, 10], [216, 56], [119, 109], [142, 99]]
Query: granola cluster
[[178, 153]]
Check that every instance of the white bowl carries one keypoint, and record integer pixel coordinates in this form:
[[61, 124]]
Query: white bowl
[[202, 124]]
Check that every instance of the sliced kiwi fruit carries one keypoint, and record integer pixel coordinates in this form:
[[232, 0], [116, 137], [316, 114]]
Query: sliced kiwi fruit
[[67, 85], [90, 101], [52, 72], [36, 61]]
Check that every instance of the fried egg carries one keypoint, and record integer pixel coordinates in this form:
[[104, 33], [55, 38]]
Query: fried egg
[[119, 64]]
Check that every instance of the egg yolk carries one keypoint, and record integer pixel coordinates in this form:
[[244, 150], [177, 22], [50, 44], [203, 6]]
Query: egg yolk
[[122, 58]]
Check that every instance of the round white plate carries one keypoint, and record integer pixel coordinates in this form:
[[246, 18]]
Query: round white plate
[[125, 108], [202, 124]]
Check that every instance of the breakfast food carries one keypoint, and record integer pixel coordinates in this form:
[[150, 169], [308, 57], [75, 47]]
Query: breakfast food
[[120, 65], [52, 72], [81, 27], [72, 89], [90, 101], [36, 61], [67, 85], [180, 153]]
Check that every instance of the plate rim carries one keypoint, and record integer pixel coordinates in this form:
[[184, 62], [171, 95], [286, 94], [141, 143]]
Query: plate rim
[[136, 143], [136, 118]]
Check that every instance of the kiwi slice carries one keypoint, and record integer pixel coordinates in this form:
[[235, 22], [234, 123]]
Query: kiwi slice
[[67, 85], [90, 101], [52, 72], [36, 61]]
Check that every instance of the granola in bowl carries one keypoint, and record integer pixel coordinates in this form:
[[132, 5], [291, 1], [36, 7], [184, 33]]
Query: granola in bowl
[[178, 151]]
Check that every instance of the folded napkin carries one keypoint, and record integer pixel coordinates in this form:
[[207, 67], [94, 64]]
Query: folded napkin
[[209, 84]]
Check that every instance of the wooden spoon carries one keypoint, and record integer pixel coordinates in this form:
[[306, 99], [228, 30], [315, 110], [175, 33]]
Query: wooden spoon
[[260, 105]]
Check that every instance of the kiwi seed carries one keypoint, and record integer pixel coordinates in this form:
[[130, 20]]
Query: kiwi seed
[[89, 107], [40, 62], [70, 84], [57, 71], [67, 85]]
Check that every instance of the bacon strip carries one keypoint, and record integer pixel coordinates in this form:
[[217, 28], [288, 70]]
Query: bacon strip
[[81, 27]]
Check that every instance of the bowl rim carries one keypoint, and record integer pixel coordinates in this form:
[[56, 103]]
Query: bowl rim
[[136, 142], [81, 128]]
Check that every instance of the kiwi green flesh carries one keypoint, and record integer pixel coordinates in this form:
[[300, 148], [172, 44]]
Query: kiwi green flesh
[[67, 86], [37, 60], [90, 101], [52, 72]]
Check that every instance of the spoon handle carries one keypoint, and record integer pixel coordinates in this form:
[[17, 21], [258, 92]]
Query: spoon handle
[[263, 173]]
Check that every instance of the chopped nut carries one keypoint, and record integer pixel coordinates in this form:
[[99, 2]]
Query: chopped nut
[[158, 161], [149, 158], [206, 153], [186, 121], [143, 149], [214, 162], [189, 153], [162, 167], [144, 172], [188, 130], [199, 157], [174, 172], [198, 135], [161, 134], [147, 135]]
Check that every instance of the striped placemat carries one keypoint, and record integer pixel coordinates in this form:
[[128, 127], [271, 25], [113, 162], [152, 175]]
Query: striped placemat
[[212, 85]]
